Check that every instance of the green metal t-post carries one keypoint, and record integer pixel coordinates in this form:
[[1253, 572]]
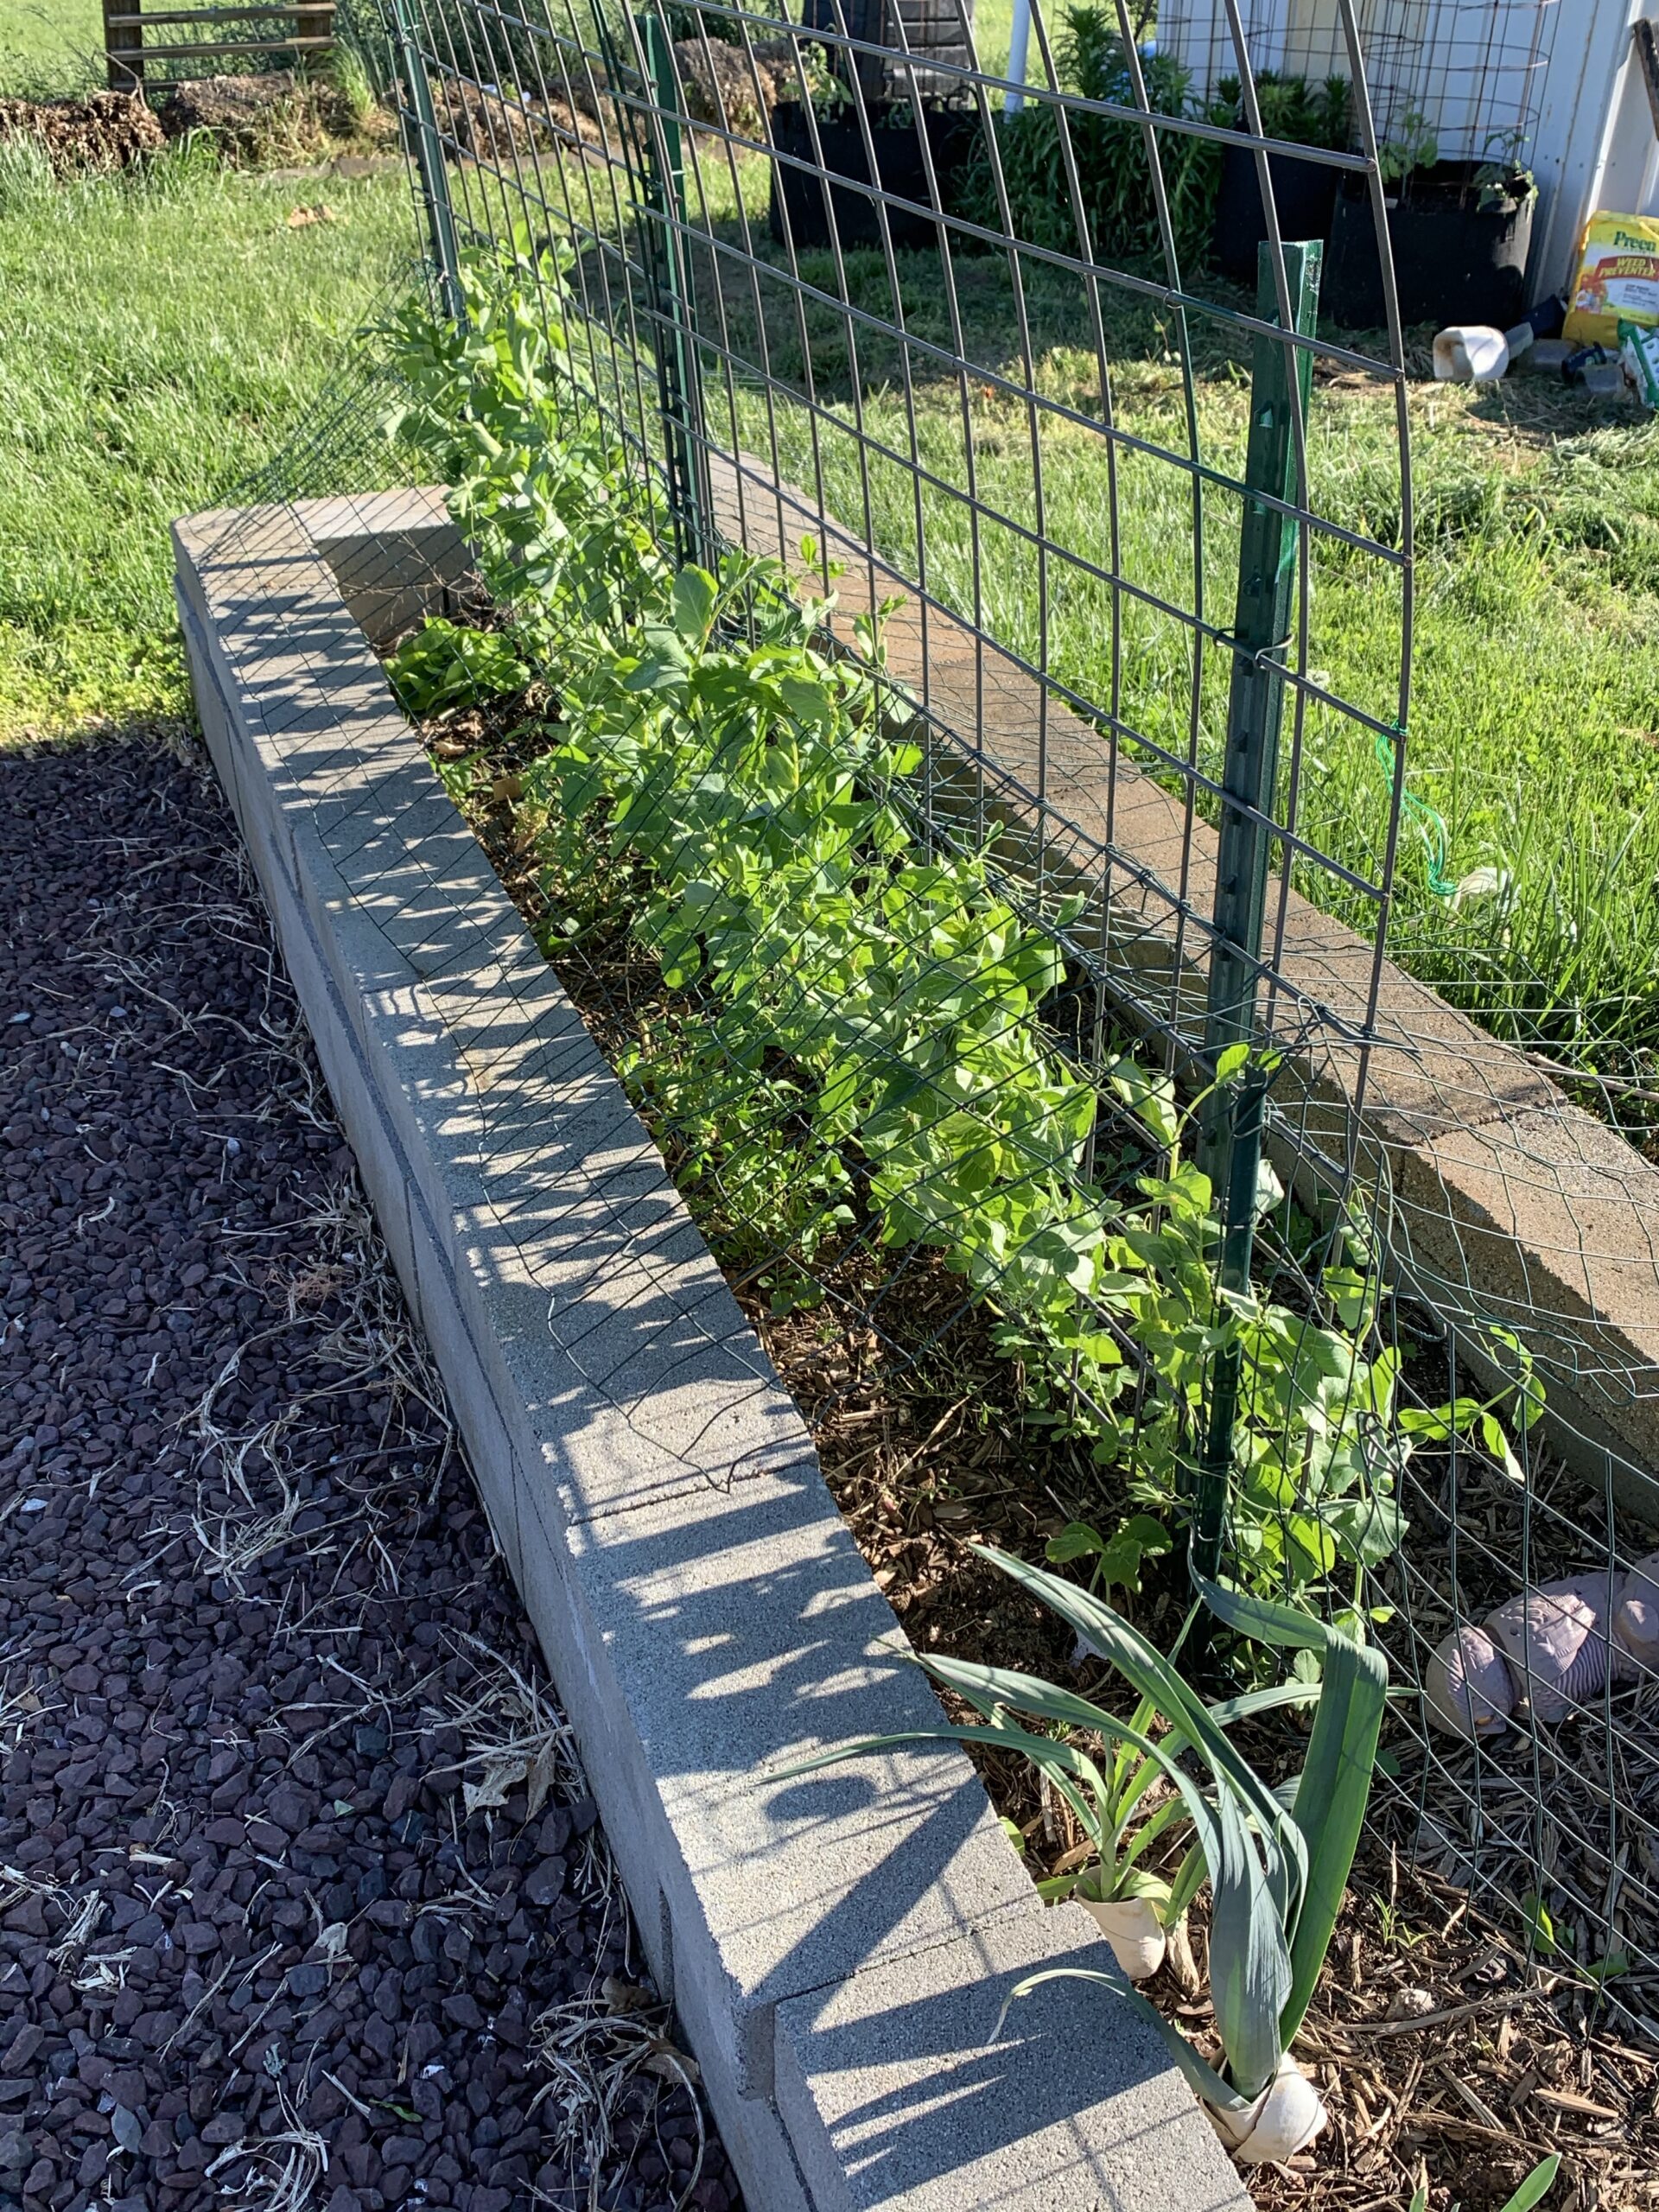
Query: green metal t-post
[[676, 362], [1232, 1147], [428, 149]]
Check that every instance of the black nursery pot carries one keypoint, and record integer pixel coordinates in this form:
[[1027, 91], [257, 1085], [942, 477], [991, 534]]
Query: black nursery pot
[[1454, 261], [811, 201], [1304, 194]]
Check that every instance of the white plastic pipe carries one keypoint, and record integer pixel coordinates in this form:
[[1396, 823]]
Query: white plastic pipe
[[1018, 46]]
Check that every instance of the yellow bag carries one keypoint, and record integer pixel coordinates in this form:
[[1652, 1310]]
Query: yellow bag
[[1617, 280]]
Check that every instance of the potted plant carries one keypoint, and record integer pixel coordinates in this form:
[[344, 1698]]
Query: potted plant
[[1458, 231], [1304, 193], [851, 126]]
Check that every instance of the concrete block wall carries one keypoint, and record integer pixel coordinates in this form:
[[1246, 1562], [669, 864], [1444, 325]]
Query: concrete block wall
[[838, 1948]]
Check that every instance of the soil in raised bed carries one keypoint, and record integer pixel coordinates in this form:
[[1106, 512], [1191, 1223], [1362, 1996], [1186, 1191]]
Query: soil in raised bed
[[1448, 2055]]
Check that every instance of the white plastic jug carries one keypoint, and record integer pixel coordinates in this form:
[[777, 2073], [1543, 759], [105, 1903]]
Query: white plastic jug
[[1470, 352]]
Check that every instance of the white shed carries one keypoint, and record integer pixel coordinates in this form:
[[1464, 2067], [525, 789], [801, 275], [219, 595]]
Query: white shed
[[1572, 86]]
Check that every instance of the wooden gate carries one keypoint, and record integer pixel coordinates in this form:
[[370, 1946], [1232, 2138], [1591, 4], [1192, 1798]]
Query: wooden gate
[[131, 41]]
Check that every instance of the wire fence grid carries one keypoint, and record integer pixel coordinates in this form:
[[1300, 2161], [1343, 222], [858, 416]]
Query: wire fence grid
[[1073, 528]]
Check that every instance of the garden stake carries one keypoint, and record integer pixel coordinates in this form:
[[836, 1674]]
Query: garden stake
[[1232, 1151], [677, 365], [427, 148]]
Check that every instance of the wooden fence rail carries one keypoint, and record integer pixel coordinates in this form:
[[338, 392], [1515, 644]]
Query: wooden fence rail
[[129, 29]]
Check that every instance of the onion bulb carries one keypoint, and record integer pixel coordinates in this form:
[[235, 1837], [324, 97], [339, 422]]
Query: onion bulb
[[1132, 1928], [1282, 2120]]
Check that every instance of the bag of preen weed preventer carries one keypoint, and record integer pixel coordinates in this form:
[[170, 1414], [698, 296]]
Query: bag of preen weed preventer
[[1617, 280]]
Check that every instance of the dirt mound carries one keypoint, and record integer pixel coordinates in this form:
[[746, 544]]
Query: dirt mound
[[105, 130], [235, 108], [720, 85], [494, 127], [268, 115]]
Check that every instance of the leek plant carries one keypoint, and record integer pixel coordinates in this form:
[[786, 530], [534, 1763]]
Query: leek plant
[[1277, 1861]]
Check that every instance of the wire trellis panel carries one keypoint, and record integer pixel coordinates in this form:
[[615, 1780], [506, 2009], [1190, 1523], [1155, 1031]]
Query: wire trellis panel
[[1073, 527]]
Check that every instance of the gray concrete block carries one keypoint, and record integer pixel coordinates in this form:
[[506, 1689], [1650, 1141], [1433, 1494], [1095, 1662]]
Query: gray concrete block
[[898, 2091], [740, 1630], [703, 1608]]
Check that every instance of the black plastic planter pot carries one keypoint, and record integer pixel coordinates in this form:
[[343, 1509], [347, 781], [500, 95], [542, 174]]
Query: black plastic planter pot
[[1304, 194], [1454, 261], [811, 203]]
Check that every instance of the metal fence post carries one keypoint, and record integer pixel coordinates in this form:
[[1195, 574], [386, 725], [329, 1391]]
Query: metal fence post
[[428, 149], [676, 362], [1232, 1149]]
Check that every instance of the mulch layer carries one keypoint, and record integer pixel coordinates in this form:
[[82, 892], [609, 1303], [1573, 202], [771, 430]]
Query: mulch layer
[[303, 1903], [1450, 2060]]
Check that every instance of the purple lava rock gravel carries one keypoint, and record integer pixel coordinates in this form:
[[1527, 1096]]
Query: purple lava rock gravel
[[257, 1653]]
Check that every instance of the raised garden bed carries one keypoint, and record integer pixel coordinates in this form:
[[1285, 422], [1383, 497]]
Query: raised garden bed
[[324, 766], [635, 857], [826, 1944]]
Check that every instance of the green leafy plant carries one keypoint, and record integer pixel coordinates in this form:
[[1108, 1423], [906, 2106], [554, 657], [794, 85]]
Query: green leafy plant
[[1114, 173], [1276, 1869], [828, 92], [1501, 182], [1115, 1562], [1132, 1804], [1292, 108], [442, 665], [856, 1047], [1410, 147]]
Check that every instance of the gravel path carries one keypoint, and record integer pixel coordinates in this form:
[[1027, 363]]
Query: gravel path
[[304, 1907]]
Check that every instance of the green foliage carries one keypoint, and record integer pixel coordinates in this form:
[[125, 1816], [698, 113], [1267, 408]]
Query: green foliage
[[1410, 146], [1115, 1562], [1114, 173], [441, 667], [857, 1044], [1276, 1870], [1302, 113], [1126, 1838]]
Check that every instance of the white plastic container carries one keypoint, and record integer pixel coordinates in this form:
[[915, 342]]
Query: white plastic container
[[1470, 352]]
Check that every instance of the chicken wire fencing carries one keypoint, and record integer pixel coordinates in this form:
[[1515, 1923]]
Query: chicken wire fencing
[[889, 610]]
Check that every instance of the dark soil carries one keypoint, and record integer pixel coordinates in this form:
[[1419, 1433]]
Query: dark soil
[[106, 130], [302, 1893]]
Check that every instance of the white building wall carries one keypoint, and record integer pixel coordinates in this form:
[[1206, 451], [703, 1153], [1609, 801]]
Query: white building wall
[[1567, 67]]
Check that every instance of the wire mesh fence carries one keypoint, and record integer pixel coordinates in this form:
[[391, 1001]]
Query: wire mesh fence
[[931, 657]]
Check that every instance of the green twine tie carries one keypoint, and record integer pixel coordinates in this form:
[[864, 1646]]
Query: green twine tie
[[1429, 825]]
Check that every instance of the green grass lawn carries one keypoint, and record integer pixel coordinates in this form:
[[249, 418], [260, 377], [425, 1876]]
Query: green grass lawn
[[50, 46], [1534, 724], [163, 337]]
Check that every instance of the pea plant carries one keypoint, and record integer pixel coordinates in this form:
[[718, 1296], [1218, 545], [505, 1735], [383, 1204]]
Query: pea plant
[[854, 1043]]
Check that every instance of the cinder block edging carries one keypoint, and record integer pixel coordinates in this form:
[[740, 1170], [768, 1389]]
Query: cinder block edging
[[837, 1950]]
